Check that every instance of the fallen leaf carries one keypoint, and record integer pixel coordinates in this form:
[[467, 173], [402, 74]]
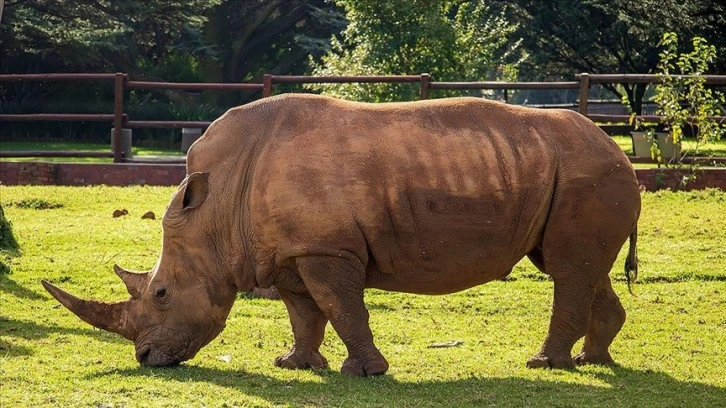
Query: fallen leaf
[[226, 358]]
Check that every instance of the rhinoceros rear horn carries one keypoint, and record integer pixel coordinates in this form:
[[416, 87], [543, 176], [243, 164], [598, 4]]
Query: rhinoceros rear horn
[[136, 282], [107, 316]]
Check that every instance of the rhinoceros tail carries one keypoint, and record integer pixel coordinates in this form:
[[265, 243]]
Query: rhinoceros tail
[[631, 262]]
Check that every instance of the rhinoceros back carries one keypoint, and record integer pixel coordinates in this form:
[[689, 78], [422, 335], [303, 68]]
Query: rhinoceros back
[[419, 192]]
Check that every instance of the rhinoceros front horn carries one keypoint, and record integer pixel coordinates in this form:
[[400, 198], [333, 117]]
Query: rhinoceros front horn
[[107, 316], [136, 282]]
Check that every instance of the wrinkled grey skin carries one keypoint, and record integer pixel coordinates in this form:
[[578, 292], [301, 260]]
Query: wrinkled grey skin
[[323, 198]]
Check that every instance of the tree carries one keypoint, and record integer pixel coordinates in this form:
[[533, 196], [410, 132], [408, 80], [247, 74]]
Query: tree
[[449, 39], [565, 37], [76, 35], [259, 36], [254, 37]]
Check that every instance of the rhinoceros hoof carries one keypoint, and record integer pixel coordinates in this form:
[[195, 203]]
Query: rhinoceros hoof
[[543, 361], [301, 360], [601, 359], [359, 368]]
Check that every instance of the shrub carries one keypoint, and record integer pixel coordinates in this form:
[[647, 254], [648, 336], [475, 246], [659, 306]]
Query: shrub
[[8, 244]]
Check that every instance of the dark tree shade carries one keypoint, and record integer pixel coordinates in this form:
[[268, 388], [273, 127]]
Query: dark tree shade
[[565, 37]]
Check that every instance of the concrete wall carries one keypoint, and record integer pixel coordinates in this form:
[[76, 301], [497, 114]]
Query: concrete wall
[[75, 174]]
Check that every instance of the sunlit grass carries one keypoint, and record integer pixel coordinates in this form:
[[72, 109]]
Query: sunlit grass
[[715, 149], [138, 151], [671, 350]]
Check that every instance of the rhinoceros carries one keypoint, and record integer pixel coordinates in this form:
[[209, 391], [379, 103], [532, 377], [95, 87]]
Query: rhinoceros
[[323, 198]]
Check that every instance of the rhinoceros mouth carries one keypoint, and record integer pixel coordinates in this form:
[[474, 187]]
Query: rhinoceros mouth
[[158, 350], [154, 357]]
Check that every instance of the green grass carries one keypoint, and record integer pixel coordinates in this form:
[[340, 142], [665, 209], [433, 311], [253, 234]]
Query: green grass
[[146, 152], [716, 149], [671, 350]]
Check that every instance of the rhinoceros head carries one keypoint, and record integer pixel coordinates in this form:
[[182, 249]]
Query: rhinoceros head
[[182, 303]]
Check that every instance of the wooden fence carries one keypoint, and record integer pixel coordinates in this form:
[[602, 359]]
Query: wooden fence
[[122, 83]]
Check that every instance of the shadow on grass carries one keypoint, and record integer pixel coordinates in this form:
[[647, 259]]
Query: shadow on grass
[[28, 330], [623, 387], [10, 286]]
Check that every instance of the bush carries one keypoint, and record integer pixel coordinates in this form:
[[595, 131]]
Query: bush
[[8, 244]]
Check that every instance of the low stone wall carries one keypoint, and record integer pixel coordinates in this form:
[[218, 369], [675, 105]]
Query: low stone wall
[[656, 179], [74, 174]]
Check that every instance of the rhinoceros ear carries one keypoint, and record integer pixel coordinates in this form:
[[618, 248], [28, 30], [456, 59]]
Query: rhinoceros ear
[[195, 191]]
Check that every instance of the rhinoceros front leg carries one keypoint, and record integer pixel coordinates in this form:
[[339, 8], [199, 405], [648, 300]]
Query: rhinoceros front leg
[[337, 284], [308, 328]]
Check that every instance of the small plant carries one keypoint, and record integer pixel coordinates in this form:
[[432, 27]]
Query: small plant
[[36, 204], [8, 244], [685, 103]]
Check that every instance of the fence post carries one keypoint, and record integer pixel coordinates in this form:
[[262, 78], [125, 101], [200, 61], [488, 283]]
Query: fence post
[[118, 107], [425, 81], [266, 85], [584, 92]]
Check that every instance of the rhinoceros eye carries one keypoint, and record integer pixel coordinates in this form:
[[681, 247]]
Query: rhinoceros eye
[[161, 293]]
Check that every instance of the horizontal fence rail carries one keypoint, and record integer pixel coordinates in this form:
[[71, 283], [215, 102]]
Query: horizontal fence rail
[[190, 86], [122, 83], [174, 124], [648, 78], [61, 117], [504, 85], [48, 153]]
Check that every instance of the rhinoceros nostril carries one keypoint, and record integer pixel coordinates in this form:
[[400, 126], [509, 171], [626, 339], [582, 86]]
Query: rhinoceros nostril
[[142, 354]]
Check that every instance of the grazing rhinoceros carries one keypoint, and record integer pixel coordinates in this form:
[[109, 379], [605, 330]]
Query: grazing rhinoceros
[[323, 198]]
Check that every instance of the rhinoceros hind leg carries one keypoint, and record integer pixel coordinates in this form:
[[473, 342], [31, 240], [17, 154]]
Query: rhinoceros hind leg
[[569, 323], [589, 220], [608, 316], [308, 327], [337, 284]]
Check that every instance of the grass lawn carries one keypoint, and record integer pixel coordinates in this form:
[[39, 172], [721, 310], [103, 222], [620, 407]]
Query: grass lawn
[[89, 147], [671, 350], [716, 149]]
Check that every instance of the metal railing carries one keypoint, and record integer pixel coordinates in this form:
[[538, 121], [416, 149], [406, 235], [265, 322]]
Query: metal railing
[[122, 83]]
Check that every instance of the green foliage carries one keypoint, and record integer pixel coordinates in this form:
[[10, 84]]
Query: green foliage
[[7, 239], [451, 40], [254, 37], [670, 350], [562, 37], [35, 204], [8, 244], [147, 39], [682, 97], [77, 34], [684, 101]]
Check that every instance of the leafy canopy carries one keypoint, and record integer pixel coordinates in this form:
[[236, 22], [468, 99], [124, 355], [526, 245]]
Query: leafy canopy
[[449, 39], [564, 37], [104, 34]]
